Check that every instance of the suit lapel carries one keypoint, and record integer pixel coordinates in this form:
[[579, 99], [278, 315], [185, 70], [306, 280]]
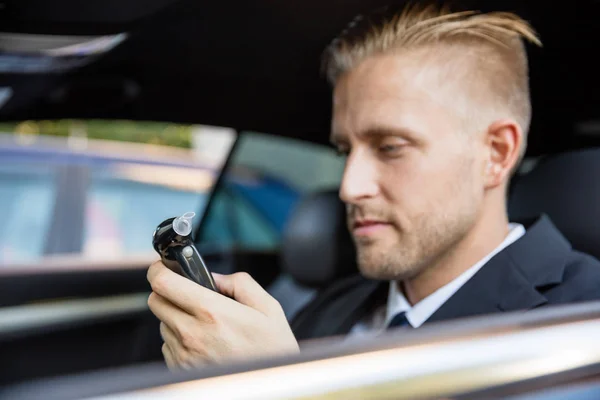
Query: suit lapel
[[498, 286], [337, 309], [363, 301], [515, 278]]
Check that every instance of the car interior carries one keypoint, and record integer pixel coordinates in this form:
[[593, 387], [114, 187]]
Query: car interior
[[252, 66]]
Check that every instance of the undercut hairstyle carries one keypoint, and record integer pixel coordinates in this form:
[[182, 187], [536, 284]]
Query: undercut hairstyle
[[493, 44]]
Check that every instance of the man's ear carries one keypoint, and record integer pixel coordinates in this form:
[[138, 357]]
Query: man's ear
[[504, 139]]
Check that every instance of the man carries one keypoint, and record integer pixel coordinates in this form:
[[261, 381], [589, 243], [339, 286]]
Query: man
[[432, 110]]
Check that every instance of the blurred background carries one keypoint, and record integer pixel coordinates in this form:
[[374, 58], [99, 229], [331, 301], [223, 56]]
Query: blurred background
[[97, 189]]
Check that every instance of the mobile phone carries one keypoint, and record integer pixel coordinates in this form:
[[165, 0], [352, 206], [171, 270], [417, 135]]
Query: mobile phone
[[172, 240]]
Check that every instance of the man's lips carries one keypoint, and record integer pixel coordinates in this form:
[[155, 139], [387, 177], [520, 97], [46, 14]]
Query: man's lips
[[368, 227]]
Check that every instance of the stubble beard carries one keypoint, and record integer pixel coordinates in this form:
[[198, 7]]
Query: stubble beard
[[394, 261], [407, 255]]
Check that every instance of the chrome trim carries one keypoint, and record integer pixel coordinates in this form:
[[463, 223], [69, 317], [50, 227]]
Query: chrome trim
[[5, 95], [77, 263], [36, 316], [423, 370], [59, 45]]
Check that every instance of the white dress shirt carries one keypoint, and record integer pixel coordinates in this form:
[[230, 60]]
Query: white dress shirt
[[420, 312]]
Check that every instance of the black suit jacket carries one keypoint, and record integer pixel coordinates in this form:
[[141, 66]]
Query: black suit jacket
[[539, 269]]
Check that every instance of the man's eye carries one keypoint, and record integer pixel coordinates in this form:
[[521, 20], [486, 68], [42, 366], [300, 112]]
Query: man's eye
[[342, 152], [390, 148]]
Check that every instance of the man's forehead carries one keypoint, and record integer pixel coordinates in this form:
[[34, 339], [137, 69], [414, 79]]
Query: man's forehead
[[406, 65], [394, 117], [364, 108], [384, 87], [407, 76]]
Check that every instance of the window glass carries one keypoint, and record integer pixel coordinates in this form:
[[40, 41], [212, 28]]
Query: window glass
[[98, 189], [268, 175], [233, 222], [27, 191], [126, 201]]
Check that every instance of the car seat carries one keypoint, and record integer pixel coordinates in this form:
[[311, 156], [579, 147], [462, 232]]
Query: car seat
[[316, 250], [566, 187]]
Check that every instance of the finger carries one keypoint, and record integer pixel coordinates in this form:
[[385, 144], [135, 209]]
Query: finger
[[245, 290], [178, 320], [168, 356], [154, 268], [171, 338], [179, 353], [179, 290], [172, 363]]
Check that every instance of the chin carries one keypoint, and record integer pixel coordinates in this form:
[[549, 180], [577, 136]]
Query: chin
[[384, 266], [370, 272], [373, 268]]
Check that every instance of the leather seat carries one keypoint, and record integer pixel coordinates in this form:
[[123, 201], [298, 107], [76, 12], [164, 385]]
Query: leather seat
[[316, 251], [317, 247], [566, 187]]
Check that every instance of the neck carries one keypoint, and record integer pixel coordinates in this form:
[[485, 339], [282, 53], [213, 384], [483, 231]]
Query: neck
[[489, 232]]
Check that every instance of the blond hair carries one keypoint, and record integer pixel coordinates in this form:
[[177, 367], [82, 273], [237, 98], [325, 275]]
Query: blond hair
[[496, 40]]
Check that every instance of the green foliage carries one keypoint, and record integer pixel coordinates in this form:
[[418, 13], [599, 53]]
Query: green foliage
[[161, 133]]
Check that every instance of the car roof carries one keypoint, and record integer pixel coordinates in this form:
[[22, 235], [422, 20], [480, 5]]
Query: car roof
[[254, 64]]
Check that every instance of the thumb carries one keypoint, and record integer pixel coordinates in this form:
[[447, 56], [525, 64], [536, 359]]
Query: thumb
[[245, 290]]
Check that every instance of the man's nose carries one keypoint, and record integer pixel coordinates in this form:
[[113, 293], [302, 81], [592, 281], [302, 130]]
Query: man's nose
[[359, 180]]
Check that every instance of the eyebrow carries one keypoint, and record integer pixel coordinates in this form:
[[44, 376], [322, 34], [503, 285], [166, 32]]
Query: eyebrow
[[374, 131]]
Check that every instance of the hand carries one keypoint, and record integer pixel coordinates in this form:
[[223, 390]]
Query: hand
[[199, 326]]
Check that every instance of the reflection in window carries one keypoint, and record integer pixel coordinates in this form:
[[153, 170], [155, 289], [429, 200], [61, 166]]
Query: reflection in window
[[98, 189], [126, 201], [27, 192]]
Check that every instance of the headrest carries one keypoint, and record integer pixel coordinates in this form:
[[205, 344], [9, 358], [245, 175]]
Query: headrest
[[566, 187], [317, 247]]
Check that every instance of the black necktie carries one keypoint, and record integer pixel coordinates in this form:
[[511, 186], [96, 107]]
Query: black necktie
[[399, 321]]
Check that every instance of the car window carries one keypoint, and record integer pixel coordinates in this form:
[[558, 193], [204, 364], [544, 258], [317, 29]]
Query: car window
[[234, 221], [27, 192], [267, 176], [126, 201], [96, 197]]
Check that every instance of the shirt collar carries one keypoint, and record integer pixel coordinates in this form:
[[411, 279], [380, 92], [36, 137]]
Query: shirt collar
[[420, 312]]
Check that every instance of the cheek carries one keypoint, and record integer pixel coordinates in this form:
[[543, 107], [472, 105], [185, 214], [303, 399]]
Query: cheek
[[418, 182], [407, 186], [397, 178], [414, 171], [459, 181]]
